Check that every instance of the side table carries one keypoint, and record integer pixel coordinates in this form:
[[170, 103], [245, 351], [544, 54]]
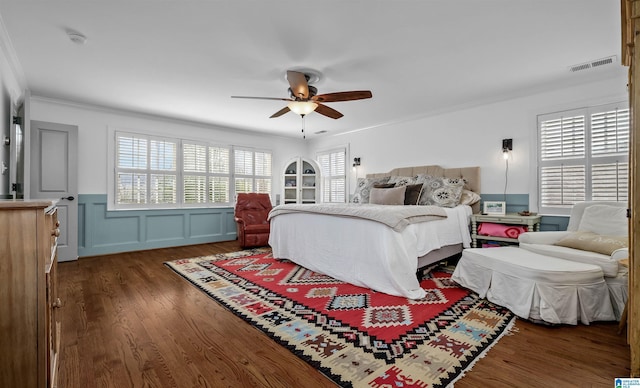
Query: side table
[[532, 222]]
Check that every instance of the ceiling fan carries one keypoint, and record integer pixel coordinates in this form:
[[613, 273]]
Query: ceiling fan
[[304, 98]]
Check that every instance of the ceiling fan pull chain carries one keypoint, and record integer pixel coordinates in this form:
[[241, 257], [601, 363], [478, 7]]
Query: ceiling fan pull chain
[[303, 135]]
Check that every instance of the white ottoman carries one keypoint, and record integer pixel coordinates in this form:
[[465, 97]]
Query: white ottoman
[[536, 287]]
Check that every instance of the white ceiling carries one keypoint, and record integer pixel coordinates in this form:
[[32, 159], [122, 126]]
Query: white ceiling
[[184, 59]]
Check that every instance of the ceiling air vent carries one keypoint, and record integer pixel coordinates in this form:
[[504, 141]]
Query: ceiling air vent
[[592, 64]]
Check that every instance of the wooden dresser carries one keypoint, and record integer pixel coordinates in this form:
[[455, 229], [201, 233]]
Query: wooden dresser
[[29, 327]]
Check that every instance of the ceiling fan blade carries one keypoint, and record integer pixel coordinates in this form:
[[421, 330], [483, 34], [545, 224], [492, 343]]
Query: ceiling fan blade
[[298, 83], [329, 112], [343, 96], [280, 112], [263, 98]]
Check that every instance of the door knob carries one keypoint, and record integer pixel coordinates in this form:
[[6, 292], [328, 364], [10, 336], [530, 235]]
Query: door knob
[[69, 198]]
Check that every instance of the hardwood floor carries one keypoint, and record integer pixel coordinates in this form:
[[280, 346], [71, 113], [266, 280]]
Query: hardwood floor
[[128, 321]]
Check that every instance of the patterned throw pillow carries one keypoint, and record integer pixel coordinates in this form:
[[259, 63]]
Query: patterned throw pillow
[[363, 191], [441, 191], [403, 180]]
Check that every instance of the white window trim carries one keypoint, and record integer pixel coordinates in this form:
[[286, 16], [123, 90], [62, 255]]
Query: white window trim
[[111, 167]]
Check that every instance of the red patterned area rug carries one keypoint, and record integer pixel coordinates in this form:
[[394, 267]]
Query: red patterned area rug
[[356, 337]]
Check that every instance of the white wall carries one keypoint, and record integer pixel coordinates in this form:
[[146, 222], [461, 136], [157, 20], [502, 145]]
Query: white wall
[[472, 137], [93, 124], [466, 137]]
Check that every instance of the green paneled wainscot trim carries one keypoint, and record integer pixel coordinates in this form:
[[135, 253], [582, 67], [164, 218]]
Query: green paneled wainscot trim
[[102, 232], [520, 202]]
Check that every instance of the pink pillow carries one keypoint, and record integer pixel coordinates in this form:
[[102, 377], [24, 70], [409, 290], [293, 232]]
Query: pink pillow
[[500, 230]]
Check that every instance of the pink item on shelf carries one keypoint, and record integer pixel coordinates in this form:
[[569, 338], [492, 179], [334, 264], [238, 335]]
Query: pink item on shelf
[[500, 230]]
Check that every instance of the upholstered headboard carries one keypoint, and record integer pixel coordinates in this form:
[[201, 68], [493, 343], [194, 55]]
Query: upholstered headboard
[[471, 176]]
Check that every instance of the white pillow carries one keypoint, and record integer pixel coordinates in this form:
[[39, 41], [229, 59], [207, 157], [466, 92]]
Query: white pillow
[[605, 219]]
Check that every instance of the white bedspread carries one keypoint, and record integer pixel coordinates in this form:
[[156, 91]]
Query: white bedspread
[[363, 252], [396, 217]]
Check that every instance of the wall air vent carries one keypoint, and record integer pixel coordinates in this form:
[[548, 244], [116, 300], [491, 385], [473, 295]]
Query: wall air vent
[[592, 64]]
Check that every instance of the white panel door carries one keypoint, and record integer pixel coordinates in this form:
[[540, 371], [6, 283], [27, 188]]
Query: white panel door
[[54, 175]]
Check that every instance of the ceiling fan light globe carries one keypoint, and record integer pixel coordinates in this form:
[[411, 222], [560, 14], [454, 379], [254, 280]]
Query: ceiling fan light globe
[[302, 107]]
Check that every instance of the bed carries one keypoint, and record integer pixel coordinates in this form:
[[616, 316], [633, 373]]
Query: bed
[[370, 253]]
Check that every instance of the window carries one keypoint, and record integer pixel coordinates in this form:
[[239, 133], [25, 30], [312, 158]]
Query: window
[[155, 172], [252, 171], [583, 156], [206, 173], [146, 170], [334, 179]]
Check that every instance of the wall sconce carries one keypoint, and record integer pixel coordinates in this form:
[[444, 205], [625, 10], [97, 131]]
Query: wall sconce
[[356, 164], [507, 146]]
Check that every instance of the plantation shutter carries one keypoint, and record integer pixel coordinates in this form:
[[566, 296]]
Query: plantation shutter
[[131, 166], [219, 178], [610, 182], [146, 170], [131, 152], [583, 155], [163, 171], [194, 165], [243, 167], [563, 138], [610, 149], [562, 160], [157, 172], [334, 180], [252, 171], [263, 172]]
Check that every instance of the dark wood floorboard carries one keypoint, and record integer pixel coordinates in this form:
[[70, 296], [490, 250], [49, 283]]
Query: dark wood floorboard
[[129, 321]]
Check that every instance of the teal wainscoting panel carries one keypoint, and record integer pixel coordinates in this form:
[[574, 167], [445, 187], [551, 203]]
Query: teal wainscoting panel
[[112, 231], [103, 232], [206, 225], [520, 202], [165, 227], [81, 225]]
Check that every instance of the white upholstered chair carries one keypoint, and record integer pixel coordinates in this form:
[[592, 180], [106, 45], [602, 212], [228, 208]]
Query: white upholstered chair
[[597, 233], [557, 277]]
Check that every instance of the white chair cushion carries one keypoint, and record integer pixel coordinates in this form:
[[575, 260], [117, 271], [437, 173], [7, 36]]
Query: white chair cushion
[[605, 220], [547, 237], [607, 263], [528, 265]]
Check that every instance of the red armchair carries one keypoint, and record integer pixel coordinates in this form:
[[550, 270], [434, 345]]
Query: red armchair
[[251, 214]]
